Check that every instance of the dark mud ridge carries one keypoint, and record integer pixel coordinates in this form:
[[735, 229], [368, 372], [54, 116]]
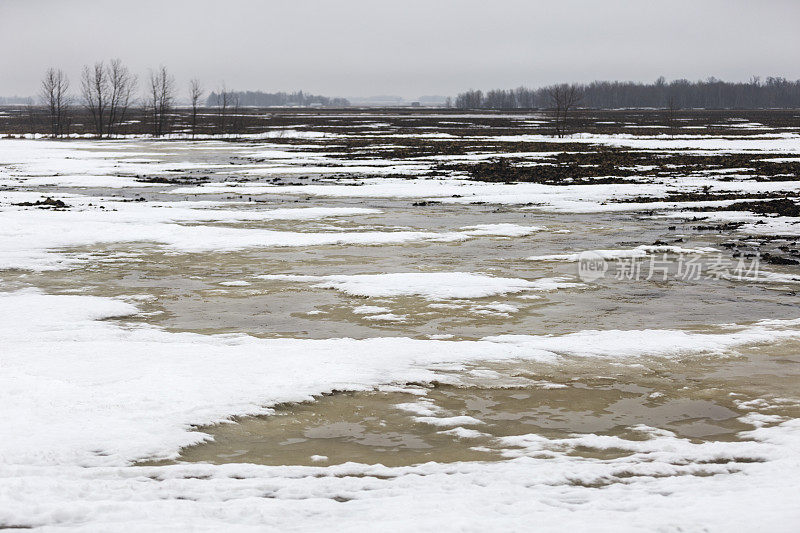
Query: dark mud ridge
[[601, 165], [47, 203]]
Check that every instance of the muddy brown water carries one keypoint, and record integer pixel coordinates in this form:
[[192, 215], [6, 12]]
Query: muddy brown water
[[697, 397]]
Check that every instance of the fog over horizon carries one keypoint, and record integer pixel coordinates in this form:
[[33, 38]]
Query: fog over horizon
[[361, 48]]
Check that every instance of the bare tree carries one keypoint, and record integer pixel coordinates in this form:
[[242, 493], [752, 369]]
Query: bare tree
[[30, 111], [563, 97], [161, 99], [55, 97], [672, 108], [223, 102], [236, 122], [107, 93], [94, 91], [195, 94], [121, 85]]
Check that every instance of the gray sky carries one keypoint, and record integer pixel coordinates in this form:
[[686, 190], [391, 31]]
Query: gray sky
[[408, 48]]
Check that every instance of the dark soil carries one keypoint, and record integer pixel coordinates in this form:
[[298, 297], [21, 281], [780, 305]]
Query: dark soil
[[502, 170], [187, 180], [47, 203], [783, 207]]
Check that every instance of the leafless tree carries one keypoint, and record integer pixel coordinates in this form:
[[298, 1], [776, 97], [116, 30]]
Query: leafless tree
[[94, 91], [236, 122], [672, 108], [30, 112], [195, 94], [563, 97], [121, 85], [223, 103], [107, 94], [160, 100], [55, 97]]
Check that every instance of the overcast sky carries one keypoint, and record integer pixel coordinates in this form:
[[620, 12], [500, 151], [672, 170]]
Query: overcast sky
[[408, 48]]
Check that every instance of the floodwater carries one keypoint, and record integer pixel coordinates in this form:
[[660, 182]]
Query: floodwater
[[691, 398], [697, 396]]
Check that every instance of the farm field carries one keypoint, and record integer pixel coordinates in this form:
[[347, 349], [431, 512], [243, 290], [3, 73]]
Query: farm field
[[338, 316]]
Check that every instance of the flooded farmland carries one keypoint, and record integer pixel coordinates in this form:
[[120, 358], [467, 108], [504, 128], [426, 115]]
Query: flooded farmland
[[364, 312]]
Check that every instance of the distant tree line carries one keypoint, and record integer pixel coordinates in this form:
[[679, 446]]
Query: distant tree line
[[108, 93], [15, 100], [280, 99], [773, 92]]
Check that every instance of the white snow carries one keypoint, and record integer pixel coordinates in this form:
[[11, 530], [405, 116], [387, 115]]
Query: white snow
[[763, 276], [670, 487], [429, 285], [766, 142], [499, 308], [505, 230], [386, 317], [753, 224], [448, 421], [84, 393], [370, 310], [595, 198], [658, 482], [423, 407], [589, 198], [115, 394], [29, 237], [639, 251], [463, 433]]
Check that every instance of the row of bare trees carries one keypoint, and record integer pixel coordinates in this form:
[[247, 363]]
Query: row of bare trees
[[561, 98], [107, 93], [711, 93], [279, 99]]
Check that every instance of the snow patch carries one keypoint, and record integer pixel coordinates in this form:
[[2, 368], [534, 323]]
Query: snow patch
[[429, 285]]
